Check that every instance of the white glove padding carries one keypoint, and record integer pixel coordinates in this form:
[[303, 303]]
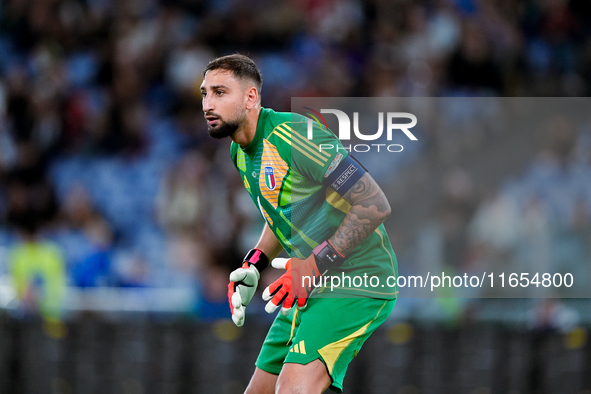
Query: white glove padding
[[243, 284]]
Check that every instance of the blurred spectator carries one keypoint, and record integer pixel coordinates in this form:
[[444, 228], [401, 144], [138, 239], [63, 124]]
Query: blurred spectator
[[545, 318], [90, 262], [30, 202], [552, 315], [472, 69], [38, 272], [560, 139], [496, 223], [454, 213], [184, 200], [535, 246], [213, 300], [133, 270]]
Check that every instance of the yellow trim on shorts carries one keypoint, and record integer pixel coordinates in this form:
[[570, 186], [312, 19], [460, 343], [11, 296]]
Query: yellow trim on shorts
[[293, 324], [331, 352]]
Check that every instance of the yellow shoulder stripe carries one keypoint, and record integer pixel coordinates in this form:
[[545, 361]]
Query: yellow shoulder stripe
[[304, 142], [280, 136], [284, 138], [312, 144]]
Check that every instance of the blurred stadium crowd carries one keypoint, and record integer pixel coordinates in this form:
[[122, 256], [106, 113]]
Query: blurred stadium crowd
[[104, 151]]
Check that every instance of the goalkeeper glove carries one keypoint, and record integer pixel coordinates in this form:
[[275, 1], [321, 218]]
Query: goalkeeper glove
[[299, 280], [243, 283]]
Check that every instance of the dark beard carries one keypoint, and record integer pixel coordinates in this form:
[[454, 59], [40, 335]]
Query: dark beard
[[223, 130]]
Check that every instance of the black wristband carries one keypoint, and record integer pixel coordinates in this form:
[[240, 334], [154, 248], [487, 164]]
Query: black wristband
[[327, 256], [257, 258]]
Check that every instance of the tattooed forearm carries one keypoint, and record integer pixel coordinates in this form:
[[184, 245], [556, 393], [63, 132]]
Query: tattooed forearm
[[369, 208]]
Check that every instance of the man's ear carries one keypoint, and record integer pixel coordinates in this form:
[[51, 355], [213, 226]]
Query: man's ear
[[252, 97]]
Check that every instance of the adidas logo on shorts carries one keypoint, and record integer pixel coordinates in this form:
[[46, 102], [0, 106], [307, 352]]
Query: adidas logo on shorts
[[298, 348]]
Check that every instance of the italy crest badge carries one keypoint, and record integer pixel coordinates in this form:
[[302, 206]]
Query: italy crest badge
[[270, 177]]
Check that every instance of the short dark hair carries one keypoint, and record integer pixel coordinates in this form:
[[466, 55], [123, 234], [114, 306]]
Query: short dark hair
[[242, 66]]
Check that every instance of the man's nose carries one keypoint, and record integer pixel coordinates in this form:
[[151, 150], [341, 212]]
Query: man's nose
[[207, 107]]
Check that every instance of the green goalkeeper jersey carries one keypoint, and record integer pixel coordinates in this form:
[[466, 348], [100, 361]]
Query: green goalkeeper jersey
[[285, 174]]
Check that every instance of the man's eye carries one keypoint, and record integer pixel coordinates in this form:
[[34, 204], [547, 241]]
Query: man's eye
[[219, 92]]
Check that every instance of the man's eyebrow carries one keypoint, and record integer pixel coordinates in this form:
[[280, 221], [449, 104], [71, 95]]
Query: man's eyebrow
[[214, 87]]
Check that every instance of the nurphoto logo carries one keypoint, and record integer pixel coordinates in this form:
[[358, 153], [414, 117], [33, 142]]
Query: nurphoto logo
[[393, 124]]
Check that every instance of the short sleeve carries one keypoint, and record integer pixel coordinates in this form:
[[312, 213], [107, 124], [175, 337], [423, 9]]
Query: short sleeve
[[318, 156]]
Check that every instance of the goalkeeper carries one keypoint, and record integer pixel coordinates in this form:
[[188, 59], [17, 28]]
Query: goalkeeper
[[325, 211]]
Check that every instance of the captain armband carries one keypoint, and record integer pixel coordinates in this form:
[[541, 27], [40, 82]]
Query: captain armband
[[345, 175]]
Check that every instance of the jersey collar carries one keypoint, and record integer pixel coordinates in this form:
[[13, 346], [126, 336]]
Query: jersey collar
[[251, 148]]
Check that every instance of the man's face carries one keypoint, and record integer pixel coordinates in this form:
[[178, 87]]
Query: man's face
[[224, 100]]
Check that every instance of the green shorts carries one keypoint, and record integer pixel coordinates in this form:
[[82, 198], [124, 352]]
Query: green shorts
[[330, 329]]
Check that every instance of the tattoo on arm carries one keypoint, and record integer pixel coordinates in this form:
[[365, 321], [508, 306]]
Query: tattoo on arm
[[369, 208]]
